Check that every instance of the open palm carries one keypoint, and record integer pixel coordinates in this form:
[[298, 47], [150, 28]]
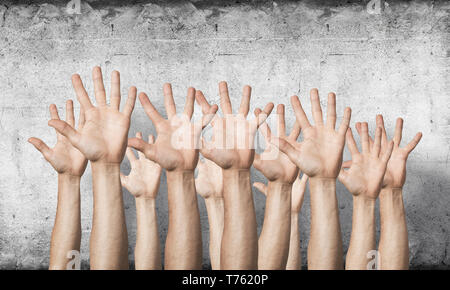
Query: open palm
[[232, 144], [176, 146], [104, 136], [320, 153], [366, 172], [64, 157]]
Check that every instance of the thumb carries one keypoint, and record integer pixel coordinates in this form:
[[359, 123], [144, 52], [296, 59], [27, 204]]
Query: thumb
[[66, 130], [41, 146], [261, 187]]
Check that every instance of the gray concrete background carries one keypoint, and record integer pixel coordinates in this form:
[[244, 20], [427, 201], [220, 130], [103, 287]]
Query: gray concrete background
[[395, 63]]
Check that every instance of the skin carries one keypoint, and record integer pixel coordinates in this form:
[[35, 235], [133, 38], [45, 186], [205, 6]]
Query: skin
[[103, 141], [70, 165], [232, 149], [393, 247], [363, 180], [143, 183], [273, 245], [319, 156], [294, 261], [183, 248], [209, 185]]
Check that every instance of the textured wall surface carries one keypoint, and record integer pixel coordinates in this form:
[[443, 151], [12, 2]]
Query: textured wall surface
[[396, 63]]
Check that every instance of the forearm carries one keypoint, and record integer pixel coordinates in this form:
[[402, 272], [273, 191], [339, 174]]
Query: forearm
[[362, 239], [273, 246], [109, 239], [239, 249], [215, 209], [294, 261], [66, 234], [147, 254], [393, 248], [184, 241], [325, 243]]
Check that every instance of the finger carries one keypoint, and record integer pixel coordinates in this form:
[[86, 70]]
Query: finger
[[300, 113], [41, 146], [331, 111], [81, 118], [261, 187], [398, 132], [347, 164], [264, 114], [131, 101], [281, 121], [81, 93], [295, 132], [124, 179], [99, 88], [342, 175], [387, 153], [351, 142], [130, 155], [380, 123], [376, 148], [365, 138], [359, 129], [115, 90], [140, 154], [345, 121], [264, 128], [286, 148], [169, 103], [315, 107], [149, 150], [151, 139], [411, 145], [207, 118], [201, 100], [225, 103], [66, 130], [54, 112], [304, 178], [150, 110], [244, 108], [189, 106], [257, 163], [70, 118]]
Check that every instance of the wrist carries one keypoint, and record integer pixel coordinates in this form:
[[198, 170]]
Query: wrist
[[147, 201], [107, 167], [69, 178], [363, 201]]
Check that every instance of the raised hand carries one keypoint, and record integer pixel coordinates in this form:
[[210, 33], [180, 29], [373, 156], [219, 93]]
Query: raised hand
[[209, 183], [232, 145], [143, 184], [70, 165], [64, 157], [104, 135], [395, 176], [320, 152], [144, 177], [274, 164], [294, 260], [367, 169], [176, 146]]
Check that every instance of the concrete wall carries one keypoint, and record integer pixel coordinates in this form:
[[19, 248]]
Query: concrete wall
[[395, 63]]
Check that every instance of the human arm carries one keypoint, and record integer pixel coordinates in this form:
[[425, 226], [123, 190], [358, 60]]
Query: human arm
[[175, 149], [294, 261], [393, 246], [70, 165], [273, 244], [103, 141], [143, 183], [209, 185], [363, 179], [232, 148], [319, 156]]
